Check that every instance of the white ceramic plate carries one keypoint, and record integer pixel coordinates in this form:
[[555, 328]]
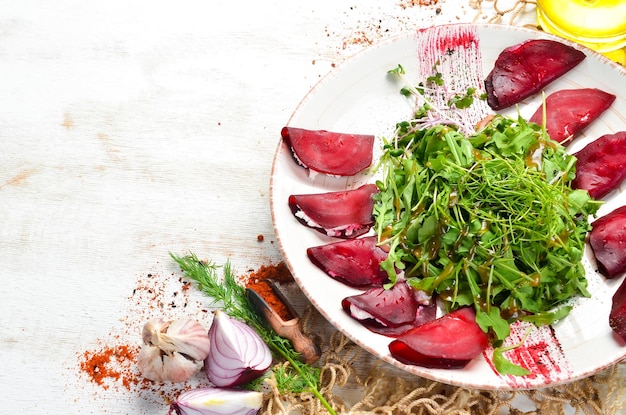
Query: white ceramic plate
[[358, 97]]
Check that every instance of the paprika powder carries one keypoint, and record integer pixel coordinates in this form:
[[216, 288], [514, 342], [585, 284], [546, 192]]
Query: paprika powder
[[258, 281]]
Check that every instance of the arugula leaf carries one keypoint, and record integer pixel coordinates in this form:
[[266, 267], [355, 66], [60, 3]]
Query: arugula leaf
[[505, 366], [547, 317], [492, 320]]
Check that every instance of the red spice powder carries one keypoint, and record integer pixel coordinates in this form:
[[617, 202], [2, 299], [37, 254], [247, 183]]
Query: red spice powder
[[413, 3], [257, 281], [111, 365], [279, 273]]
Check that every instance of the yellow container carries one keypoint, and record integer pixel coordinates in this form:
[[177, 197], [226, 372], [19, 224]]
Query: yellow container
[[597, 24]]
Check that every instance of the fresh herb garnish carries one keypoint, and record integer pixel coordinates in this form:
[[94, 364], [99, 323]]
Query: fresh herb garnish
[[505, 366], [429, 114], [295, 377], [487, 219]]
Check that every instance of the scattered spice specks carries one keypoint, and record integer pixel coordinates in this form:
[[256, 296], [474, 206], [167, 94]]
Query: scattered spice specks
[[67, 121], [412, 3], [111, 365]]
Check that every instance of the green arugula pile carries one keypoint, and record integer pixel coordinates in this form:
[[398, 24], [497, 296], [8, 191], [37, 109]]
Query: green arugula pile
[[488, 219]]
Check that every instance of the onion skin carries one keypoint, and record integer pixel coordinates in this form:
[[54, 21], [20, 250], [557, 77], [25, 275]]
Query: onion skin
[[217, 401], [237, 354]]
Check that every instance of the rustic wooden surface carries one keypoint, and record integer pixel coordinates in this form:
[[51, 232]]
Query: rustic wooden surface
[[129, 130]]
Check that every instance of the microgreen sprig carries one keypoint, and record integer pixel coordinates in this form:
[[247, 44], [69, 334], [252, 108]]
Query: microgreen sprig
[[429, 114]]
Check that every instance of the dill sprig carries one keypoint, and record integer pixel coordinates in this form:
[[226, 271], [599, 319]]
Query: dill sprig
[[295, 377]]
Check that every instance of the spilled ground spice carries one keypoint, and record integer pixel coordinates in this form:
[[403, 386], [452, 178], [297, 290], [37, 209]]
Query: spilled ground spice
[[412, 3], [258, 281], [111, 365], [279, 273]]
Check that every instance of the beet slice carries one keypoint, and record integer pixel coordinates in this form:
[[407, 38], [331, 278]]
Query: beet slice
[[608, 242], [391, 307], [449, 342], [524, 69], [355, 262], [424, 314], [345, 214], [617, 316], [601, 165], [337, 154], [569, 111]]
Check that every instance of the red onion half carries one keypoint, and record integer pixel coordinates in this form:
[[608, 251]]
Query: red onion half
[[215, 401], [237, 354]]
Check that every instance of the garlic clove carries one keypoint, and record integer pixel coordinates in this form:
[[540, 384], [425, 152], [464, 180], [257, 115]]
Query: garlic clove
[[177, 368], [157, 366], [150, 363], [216, 401], [173, 350], [152, 330], [189, 338]]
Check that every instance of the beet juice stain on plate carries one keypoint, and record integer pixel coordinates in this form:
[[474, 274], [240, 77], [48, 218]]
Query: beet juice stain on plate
[[537, 349]]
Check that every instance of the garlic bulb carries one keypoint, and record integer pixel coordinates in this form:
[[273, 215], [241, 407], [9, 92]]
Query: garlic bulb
[[173, 350]]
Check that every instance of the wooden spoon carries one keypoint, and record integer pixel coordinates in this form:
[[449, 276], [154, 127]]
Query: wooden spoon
[[290, 329]]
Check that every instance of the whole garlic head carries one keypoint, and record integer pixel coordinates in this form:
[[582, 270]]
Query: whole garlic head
[[173, 350]]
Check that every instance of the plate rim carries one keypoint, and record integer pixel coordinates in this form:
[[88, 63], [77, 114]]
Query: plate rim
[[416, 370]]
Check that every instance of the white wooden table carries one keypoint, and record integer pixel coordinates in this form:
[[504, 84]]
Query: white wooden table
[[129, 130]]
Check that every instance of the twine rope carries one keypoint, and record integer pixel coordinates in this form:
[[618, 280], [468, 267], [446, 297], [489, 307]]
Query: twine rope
[[512, 11], [385, 390]]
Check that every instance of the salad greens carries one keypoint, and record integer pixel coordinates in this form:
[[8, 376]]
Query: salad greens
[[297, 376], [487, 219]]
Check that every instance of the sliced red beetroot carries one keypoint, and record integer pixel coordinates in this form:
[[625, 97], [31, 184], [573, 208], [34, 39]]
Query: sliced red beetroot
[[355, 262], [333, 153], [345, 214], [393, 307], [526, 68], [569, 111], [617, 316], [424, 314], [608, 242], [449, 342], [601, 165]]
